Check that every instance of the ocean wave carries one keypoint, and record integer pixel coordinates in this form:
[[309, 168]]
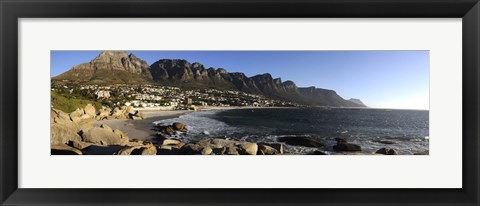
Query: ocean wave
[[201, 124]]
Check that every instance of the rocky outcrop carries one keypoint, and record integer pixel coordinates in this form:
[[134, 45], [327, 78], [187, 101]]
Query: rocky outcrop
[[269, 149], [90, 111], [148, 149], [386, 151], [124, 112], [62, 128], [104, 135], [194, 149], [343, 145], [76, 130], [304, 141], [178, 126], [220, 147]]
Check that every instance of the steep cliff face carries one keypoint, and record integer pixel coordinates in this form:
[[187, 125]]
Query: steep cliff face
[[118, 67]]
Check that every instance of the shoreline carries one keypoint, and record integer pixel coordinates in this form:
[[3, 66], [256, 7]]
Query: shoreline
[[141, 129], [81, 132]]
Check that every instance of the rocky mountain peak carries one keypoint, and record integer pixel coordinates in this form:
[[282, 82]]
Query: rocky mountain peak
[[264, 77], [119, 60], [289, 83], [115, 64], [277, 81], [222, 71], [111, 54]]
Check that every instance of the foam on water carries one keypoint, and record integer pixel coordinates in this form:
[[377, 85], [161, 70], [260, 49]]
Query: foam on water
[[200, 124]]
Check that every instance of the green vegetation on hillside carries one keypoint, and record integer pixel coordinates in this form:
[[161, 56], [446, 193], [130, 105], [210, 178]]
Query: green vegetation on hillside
[[70, 104]]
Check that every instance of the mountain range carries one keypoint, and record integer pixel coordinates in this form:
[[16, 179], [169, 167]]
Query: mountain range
[[119, 67]]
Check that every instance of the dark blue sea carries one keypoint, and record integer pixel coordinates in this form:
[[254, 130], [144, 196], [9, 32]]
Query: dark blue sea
[[409, 129]]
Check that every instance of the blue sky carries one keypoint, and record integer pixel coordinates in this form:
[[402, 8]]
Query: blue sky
[[384, 79]]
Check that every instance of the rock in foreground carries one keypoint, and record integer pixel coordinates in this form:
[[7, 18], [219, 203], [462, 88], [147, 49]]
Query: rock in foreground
[[343, 145], [104, 135], [386, 151], [301, 141]]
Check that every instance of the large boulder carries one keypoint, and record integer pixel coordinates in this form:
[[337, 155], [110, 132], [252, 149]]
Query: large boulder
[[103, 114], [301, 141], [220, 147], [86, 116], [75, 116], [139, 150], [58, 116], [196, 149], [104, 135], [170, 141], [386, 151], [219, 143], [90, 110], [247, 148], [277, 146], [347, 147], [231, 151], [63, 129], [62, 133], [169, 150], [264, 149], [118, 114], [85, 124], [178, 126]]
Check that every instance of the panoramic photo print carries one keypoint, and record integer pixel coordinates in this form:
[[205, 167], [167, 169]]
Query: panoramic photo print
[[239, 102]]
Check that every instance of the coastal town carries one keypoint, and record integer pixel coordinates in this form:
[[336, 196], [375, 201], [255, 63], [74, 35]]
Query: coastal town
[[166, 97]]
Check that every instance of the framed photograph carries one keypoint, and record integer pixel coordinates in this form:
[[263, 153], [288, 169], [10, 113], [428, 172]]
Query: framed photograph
[[239, 102]]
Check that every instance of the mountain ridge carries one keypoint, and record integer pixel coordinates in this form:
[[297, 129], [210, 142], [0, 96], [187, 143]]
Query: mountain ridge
[[113, 67]]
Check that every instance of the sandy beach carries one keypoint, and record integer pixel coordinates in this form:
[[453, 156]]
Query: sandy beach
[[141, 129]]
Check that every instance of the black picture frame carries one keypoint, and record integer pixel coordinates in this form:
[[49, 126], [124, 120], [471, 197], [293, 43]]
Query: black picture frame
[[12, 10]]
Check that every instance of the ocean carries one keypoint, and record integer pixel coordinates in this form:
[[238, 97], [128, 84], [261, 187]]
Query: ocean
[[409, 129]]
